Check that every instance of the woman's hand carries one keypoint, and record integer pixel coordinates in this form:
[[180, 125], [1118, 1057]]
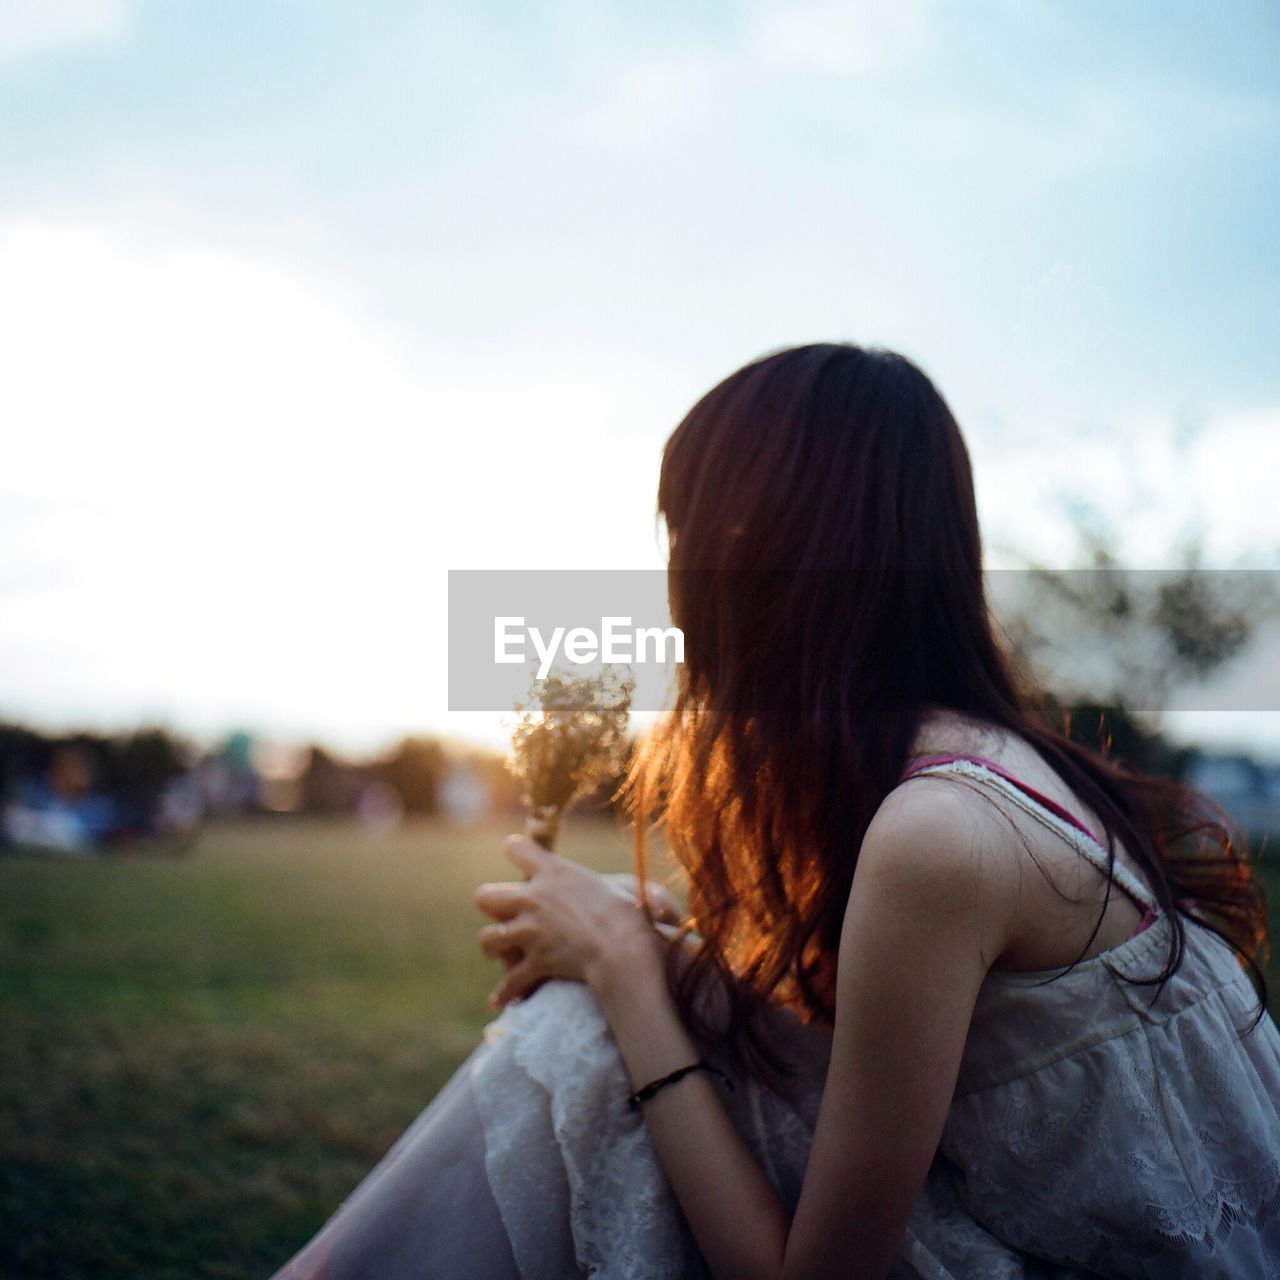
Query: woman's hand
[[562, 921], [665, 908]]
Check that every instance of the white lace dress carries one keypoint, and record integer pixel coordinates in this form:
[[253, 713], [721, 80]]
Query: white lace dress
[[1089, 1135]]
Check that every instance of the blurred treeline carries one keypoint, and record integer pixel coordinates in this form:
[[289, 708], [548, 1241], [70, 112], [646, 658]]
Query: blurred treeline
[[143, 772], [83, 790]]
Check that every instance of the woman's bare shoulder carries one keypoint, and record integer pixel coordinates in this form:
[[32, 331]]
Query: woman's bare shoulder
[[932, 833], [931, 841], [929, 884]]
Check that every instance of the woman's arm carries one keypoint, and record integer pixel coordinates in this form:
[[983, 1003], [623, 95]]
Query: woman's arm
[[928, 912], [736, 1216]]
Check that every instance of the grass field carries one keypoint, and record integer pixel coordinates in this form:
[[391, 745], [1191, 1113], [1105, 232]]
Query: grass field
[[199, 1058]]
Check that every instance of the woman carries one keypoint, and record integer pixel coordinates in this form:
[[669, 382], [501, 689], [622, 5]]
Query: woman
[[965, 999]]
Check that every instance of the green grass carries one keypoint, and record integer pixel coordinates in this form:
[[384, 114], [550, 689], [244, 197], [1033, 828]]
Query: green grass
[[200, 1058]]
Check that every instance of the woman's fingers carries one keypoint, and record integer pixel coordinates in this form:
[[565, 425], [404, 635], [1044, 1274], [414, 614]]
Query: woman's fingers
[[506, 899], [499, 940], [662, 902], [527, 854], [502, 901], [519, 981]]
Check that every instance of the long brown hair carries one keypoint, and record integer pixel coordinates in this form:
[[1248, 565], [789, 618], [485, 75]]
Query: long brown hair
[[826, 569]]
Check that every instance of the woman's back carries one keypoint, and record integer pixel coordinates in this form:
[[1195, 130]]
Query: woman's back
[[1089, 1124]]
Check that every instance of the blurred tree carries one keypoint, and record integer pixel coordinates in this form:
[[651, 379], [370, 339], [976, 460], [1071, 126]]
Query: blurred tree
[[23, 752], [1118, 733], [1110, 646], [329, 784], [414, 769], [137, 768]]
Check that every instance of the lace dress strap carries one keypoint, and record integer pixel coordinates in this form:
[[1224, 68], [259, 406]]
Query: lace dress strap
[[1045, 810]]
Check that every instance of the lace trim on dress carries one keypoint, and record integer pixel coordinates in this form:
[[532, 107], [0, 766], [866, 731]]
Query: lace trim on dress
[[551, 1089], [1152, 1152]]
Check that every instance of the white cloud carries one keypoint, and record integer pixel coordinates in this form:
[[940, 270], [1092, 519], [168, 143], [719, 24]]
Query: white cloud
[[226, 498], [32, 26], [1144, 476], [838, 37], [654, 92], [781, 39]]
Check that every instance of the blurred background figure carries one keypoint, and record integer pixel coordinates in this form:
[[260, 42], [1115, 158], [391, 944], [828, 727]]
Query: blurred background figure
[[465, 797], [90, 793], [379, 808], [58, 809]]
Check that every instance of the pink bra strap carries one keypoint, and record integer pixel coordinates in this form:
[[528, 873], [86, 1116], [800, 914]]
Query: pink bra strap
[[1052, 805]]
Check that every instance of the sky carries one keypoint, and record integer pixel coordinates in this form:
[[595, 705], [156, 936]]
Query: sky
[[304, 304]]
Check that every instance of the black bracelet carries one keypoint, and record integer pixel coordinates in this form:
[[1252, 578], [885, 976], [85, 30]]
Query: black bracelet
[[643, 1095]]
